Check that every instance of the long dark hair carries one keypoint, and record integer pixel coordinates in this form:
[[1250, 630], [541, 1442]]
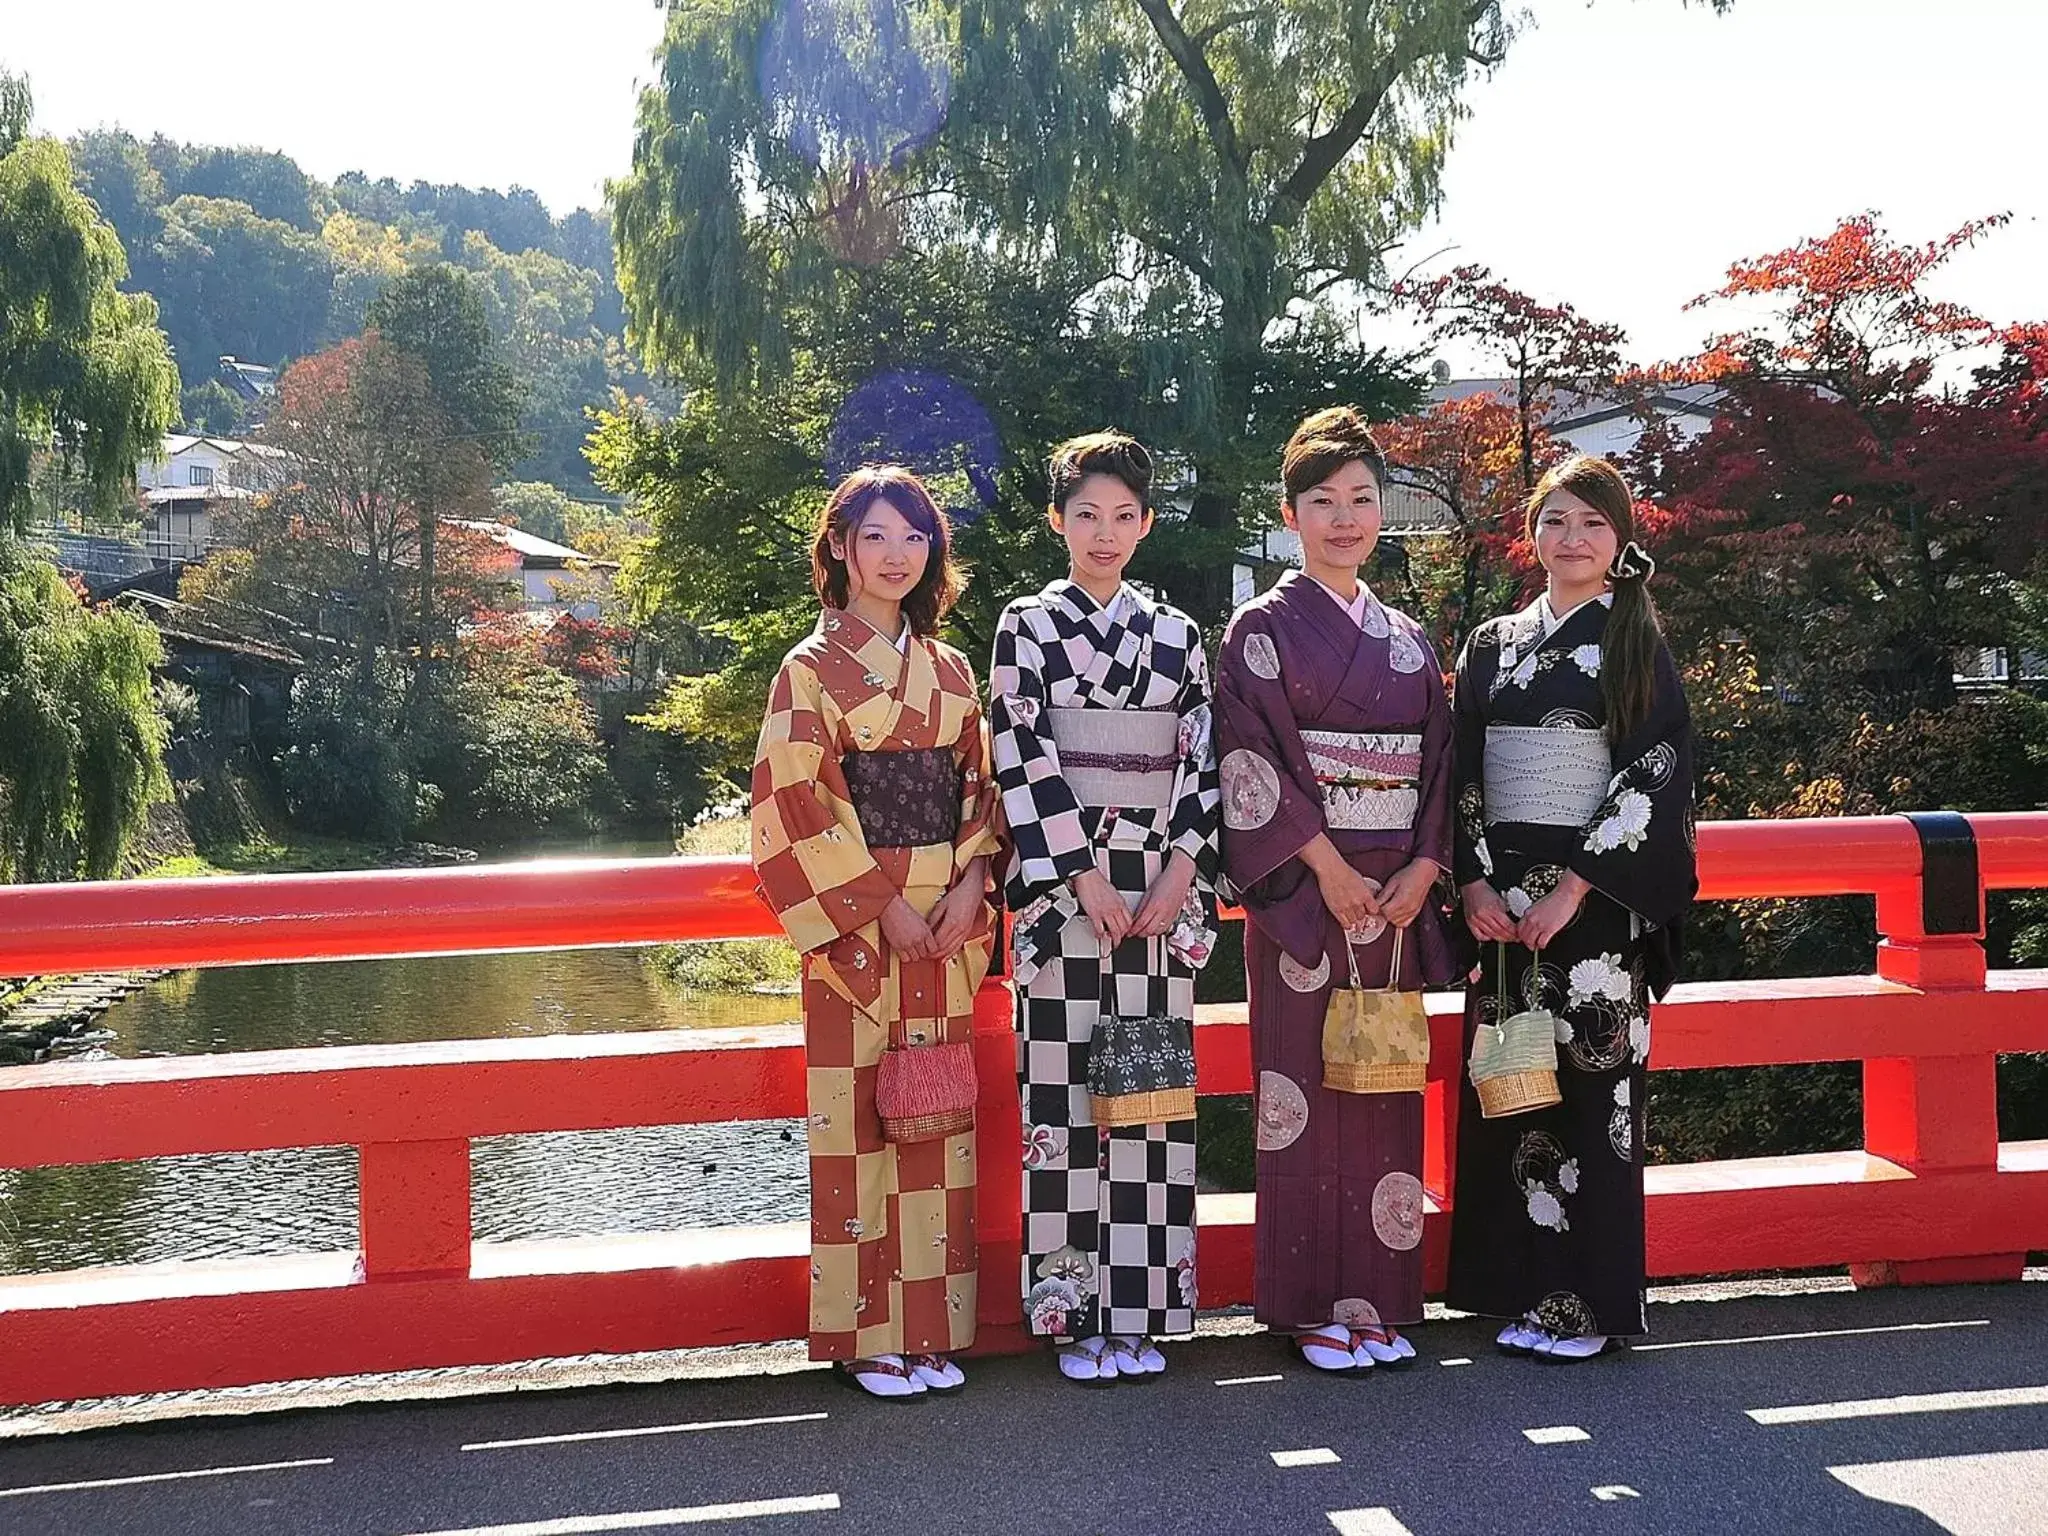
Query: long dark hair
[[848, 507], [1628, 649]]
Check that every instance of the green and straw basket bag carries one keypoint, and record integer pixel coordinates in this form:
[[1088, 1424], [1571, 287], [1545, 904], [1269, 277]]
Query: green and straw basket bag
[[1514, 1061]]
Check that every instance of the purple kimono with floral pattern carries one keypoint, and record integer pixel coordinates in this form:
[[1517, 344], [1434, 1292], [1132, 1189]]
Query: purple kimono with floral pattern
[[1327, 726]]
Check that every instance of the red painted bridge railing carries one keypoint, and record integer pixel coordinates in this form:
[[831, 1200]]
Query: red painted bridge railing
[[1931, 1195]]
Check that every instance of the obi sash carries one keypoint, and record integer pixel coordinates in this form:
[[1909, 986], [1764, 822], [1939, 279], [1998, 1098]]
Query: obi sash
[[1118, 757], [1546, 776], [905, 799], [1368, 778]]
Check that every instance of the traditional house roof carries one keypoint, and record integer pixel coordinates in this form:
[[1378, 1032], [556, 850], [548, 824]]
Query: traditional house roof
[[534, 552], [188, 625]]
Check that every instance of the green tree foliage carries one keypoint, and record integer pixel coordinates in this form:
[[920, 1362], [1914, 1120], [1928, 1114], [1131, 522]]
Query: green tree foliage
[[533, 506], [83, 370], [346, 770], [435, 316], [544, 310], [248, 256], [268, 183], [512, 221], [438, 315], [114, 171], [516, 750], [1200, 182], [234, 283], [731, 484], [81, 738]]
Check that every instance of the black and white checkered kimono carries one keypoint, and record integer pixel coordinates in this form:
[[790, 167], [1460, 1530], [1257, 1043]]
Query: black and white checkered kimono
[[1109, 1214]]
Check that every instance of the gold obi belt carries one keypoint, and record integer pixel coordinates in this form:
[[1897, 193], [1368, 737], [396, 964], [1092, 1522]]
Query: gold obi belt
[[1368, 778], [1125, 758], [1545, 776]]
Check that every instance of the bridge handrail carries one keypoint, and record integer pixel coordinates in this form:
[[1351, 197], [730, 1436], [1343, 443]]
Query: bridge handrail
[[1931, 1195]]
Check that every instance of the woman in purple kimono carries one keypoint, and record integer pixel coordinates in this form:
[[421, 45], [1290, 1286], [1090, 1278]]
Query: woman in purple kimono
[[1335, 735]]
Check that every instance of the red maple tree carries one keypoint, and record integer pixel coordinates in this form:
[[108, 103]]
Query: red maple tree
[[1463, 459], [1845, 535], [1543, 348]]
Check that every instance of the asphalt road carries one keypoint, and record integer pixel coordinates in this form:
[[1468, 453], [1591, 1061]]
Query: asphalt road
[[1679, 1437]]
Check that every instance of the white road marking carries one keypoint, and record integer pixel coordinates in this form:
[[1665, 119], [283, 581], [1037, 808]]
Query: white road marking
[[167, 1477], [653, 1519], [2003, 1493], [1316, 1456], [1818, 1333], [650, 1429], [1247, 1381], [1556, 1434], [1461, 1360], [1885, 1407], [1367, 1522], [1613, 1491]]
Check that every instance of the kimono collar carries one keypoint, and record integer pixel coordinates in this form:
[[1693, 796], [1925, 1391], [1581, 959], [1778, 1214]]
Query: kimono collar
[[849, 629], [1553, 622], [1079, 602], [1360, 604], [908, 675]]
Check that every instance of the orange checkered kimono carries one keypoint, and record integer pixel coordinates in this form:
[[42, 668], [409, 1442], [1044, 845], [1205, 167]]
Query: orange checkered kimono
[[893, 1258]]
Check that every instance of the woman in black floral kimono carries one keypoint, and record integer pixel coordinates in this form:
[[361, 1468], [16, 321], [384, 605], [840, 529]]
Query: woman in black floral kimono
[[1574, 855]]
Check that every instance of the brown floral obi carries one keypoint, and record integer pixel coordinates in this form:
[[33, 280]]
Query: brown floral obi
[[905, 799]]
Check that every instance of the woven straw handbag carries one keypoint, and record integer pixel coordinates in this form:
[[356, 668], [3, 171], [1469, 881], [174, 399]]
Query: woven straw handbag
[[1514, 1062], [1375, 1041], [1141, 1070], [925, 1087]]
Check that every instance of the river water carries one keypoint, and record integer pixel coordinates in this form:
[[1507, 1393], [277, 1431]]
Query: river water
[[568, 1184]]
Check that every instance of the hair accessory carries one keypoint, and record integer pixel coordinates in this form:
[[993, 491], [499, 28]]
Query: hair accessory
[[1633, 564]]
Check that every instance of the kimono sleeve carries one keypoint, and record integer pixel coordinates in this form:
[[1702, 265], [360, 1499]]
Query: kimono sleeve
[[1044, 817], [1638, 848], [980, 834], [1271, 806], [1434, 794], [1196, 797], [1470, 858], [814, 865]]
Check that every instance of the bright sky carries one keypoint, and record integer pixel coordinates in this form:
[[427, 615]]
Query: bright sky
[[1622, 157]]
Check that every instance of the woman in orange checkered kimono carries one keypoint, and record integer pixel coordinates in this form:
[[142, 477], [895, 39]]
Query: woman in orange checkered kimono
[[872, 832]]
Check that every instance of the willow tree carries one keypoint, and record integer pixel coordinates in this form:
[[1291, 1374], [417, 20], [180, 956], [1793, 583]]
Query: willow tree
[[1208, 177], [85, 377], [84, 380]]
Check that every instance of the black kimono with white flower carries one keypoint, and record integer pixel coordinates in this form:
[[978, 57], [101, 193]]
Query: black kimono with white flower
[[1548, 1206]]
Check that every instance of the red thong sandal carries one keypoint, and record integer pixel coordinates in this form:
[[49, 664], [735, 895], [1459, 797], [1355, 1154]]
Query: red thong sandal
[[1381, 1346], [885, 1378], [941, 1377]]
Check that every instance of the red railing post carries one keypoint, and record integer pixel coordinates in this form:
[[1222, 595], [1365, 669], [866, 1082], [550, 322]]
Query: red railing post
[[1935, 1115], [413, 1200], [999, 1172]]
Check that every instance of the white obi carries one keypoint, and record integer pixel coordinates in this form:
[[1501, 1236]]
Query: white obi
[[1368, 779], [1125, 758], [1546, 776]]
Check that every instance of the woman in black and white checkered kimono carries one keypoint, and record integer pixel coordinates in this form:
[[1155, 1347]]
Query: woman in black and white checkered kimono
[[1099, 710]]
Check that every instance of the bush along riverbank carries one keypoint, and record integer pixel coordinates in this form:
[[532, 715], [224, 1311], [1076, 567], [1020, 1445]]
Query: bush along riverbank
[[762, 966]]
